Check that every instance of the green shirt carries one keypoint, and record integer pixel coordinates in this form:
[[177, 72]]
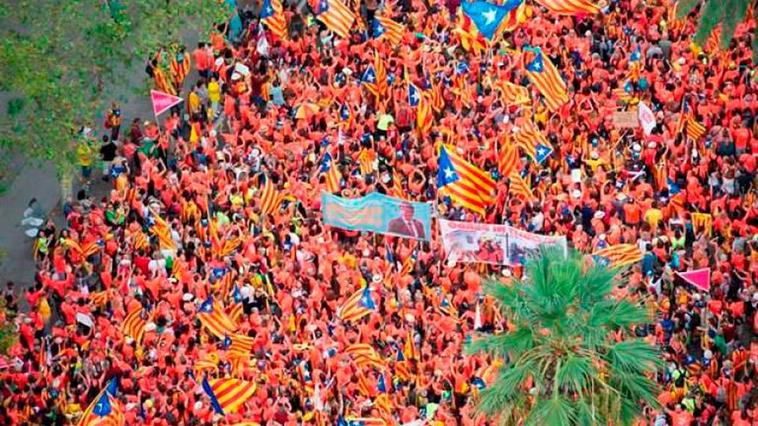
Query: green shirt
[[384, 121]]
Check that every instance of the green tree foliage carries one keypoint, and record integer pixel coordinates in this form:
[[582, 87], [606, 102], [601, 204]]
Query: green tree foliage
[[562, 366], [8, 333], [727, 13], [61, 59]]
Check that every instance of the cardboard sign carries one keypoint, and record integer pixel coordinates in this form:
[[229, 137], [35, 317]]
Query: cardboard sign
[[625, 119]]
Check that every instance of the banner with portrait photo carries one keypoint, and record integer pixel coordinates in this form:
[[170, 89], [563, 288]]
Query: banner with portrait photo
[[467, 242], [378, 213]]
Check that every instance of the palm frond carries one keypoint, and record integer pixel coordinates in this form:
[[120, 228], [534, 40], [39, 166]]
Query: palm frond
[[632, 356], [554, 411], [574, 373], [684, 7], [502, 345]]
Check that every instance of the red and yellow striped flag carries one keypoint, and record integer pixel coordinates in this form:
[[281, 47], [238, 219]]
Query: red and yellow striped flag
[[520, 187], [241, 345], [529, 137], [694, 129], [336, 16], [466, 184], [570, 7], [357, 306], [270, 198], [508, 158], [227, 395], [390, 30], [424, 117], [272, 16], [512, 93], [333, 179], [545, 77], [365, 356], [620, 255], [436, 97], [134, 325], [409, 348], [105, 410], [215, 320]]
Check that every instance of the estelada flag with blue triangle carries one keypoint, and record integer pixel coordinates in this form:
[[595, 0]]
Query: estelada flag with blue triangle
[[488, 17], [466, 184]]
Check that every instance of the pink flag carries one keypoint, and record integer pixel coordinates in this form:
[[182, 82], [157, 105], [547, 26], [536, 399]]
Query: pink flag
[[163, 101], [700, 278]]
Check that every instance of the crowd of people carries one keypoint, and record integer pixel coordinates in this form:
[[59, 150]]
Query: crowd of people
[[184, 222]]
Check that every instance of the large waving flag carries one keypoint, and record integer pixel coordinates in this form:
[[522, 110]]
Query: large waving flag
[[365, 356], [520, 187], [134, 325], [215, 320], [534, 144], [424, 116], [619, 255], [545, 77], [387, 29], [375, 78], [570, 7], [227, 395], [466, 184], [357, 306], [105, 409], [336, 16], [471, 39], [488, 17], [270, 198], [508, 159], [512, 93], [240, 345], [272, 16], [333, 177]]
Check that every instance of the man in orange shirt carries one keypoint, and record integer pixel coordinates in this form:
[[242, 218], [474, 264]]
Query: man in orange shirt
[[200, 58]]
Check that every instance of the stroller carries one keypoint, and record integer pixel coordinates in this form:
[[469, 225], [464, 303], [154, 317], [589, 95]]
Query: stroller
[[33, 218]]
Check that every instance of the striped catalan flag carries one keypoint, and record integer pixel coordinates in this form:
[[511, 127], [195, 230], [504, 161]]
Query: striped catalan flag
[[134, 325], [508, 158], [235, 311], [545, 77], [437, 98], [513, 93], [272, 16], [381, 75], [409, 348], [694, 129], [215, 320], [364, 386], [570, 7], [357, 306], [332, 174], [241, 345], [471, 39], [227, 395], [424, 116], [386, 29], [99, 298], [466, 184], [336, 16], [619, 256], [520, 187], [534, 144], [365, 356], [270, 198]]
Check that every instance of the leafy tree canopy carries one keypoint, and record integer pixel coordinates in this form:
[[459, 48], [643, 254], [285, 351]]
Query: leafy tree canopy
[[61, 59], [726, 13], [564, 363]]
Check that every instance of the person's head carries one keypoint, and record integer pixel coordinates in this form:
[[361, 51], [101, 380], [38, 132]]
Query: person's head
[[406, 211]]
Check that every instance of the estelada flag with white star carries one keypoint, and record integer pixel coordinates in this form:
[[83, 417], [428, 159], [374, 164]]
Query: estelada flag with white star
[[545, 77], [466, 184], [534, 144]]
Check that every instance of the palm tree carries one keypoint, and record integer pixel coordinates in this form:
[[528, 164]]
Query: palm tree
[[563, 366], [727, 13]]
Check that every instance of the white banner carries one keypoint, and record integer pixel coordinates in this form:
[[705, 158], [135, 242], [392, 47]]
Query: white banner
[[495, 244]]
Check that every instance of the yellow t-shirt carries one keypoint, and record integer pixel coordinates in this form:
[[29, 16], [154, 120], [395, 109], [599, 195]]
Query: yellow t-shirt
[[214, 92], [194, 103], [384, 121], [653, 217]]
